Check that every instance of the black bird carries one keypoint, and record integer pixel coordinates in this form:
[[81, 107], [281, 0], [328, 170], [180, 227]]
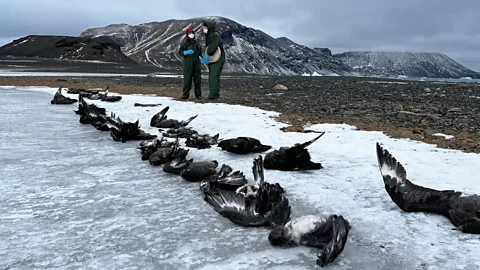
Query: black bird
[[166, 154], [198, 171], [327, 233], [126, 131], [225, 179], [243, 145], [267, 207], [201, 141], [147, 148], [292, 158], [182, 132], [58, 98], [92, 114], [462, 210], [177, 165], [160, 120], [107, 98]]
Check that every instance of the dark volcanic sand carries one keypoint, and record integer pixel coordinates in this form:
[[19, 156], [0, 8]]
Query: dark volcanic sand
[[414, 110]]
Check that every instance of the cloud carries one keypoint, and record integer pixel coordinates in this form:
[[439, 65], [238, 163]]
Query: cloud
[[340, 25]]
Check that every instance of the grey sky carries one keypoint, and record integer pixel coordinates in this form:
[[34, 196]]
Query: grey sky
[[341, 25]]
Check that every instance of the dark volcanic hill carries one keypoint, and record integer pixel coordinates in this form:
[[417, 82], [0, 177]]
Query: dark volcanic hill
[[247, 49], [101, 49], [411, 64]]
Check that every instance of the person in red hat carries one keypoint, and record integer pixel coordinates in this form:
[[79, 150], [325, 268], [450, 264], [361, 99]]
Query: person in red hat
[[191, 51]]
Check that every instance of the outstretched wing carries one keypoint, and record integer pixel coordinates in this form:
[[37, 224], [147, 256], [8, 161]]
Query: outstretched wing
[[227, 176], [232, 205], [160, 116], [408, 196], [185, 123]]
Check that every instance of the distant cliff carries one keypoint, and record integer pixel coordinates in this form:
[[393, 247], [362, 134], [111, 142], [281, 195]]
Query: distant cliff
[[411, 64]]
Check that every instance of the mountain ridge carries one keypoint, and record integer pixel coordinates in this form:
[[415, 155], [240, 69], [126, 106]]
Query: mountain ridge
[[248, 50]]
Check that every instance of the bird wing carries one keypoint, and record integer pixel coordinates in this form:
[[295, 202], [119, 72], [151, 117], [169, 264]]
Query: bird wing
[[232, 205], [407, 195], [160, 116], [331, 237], [257, 169]]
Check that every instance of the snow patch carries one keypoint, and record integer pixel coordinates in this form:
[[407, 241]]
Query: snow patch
[[447, 137]]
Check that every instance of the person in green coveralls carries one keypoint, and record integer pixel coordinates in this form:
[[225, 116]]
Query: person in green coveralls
[[213, 41], [191, 51]]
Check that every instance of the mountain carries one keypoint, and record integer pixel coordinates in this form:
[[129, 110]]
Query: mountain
[[247, 49], [101, 49], [411, 64]]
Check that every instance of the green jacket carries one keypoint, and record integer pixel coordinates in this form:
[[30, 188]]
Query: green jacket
[[213, 38], [186, 45]]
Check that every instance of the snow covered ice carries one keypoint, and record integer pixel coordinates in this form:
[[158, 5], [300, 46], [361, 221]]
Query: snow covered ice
[[71, 197]]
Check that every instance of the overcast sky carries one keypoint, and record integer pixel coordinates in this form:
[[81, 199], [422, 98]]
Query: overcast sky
[[341, 25]]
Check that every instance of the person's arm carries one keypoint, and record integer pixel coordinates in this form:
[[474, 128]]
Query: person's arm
[[212, 47], [182, 48]]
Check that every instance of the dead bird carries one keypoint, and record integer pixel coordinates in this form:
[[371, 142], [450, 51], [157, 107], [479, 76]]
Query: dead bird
[[125, 131], [267, 206], [181, 132], [462, 210], [92, 114], [327, 233], [225, 179], [201, 141], [243, 145], [147, 148], [292, 158], [166, 154], [58, 98], [198, 171], [160, 120]]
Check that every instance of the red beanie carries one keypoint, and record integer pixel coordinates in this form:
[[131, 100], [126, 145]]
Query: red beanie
[[189, 30]]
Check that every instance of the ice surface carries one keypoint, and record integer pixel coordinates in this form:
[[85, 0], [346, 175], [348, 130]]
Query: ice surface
[[71, 197]]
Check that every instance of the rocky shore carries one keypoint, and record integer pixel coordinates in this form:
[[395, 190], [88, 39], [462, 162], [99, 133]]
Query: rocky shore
[[404, 109]]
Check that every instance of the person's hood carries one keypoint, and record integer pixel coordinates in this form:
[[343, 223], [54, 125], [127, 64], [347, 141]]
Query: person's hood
[[210, 24]]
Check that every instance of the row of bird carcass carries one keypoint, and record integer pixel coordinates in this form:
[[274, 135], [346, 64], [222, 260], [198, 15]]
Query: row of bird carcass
[[265, 204], [226, 191]]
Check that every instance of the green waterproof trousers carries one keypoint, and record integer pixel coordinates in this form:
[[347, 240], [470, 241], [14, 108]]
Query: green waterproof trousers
[[192, 70], [214, 72]]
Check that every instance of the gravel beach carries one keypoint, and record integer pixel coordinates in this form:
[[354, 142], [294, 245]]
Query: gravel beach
[[403, 109]]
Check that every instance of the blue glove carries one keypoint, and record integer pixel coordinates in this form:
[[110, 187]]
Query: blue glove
[[188, 52], [206, 59]]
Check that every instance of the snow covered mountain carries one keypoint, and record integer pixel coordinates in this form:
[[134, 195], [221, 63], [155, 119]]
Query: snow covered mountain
[[66, 47], [248, 50], [411, 64]]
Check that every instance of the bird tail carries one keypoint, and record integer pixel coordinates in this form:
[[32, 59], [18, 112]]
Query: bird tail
[[337, 239], [407, 195]]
